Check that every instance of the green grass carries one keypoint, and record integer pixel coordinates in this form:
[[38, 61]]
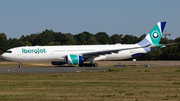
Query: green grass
[[146, 71], [121, 84], [112, 70], [177, 71]]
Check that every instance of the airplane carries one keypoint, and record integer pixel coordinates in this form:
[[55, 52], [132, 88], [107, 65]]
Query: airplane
[[78, 54]]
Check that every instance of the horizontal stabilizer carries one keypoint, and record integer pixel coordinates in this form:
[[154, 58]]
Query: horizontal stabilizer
[[169, 44], [159, 46], [165, 45]]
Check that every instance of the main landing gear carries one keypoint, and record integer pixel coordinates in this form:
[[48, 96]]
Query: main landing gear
[[91, 64], [88, 65], [20, 66]]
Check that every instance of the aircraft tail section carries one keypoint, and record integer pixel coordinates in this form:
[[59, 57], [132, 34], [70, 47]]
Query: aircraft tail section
[[154, 36]]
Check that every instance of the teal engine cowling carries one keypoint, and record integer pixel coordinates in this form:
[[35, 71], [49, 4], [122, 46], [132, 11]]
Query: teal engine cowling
[[74, 60]]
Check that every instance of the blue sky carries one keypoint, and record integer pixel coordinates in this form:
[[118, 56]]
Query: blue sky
[[134, 17]]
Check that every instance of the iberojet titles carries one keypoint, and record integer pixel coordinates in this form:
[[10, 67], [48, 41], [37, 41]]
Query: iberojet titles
[[33, 50]]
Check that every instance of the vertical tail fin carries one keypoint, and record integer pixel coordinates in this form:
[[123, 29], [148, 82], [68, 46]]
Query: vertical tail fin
[[154, 36]]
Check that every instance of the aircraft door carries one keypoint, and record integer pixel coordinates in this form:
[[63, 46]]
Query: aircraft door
[[51, 51], [19, 52]]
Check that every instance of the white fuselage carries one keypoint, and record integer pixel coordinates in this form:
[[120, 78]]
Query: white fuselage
[[58, 53]]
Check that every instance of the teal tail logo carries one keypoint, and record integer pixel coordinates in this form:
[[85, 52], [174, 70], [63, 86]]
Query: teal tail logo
[[156, 33], [153, 37]]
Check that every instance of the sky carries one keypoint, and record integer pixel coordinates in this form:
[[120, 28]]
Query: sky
[[133, 17]]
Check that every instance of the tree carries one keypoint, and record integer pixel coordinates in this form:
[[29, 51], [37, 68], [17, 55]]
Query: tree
[[58, 38], [173, 52], [22, 38], [21, 43], [115, 39], [45, 37], [164, 41], [3, 42], [54, 43], [24, 41], [103, 38], [142, 37], [32, 39], [150, 56], [177, 39], [27, 43], [92, 42], [130, 39], [68, 39], [12, 42], [84, 38]]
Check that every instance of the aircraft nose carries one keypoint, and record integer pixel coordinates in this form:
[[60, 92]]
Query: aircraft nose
[[3, 55]]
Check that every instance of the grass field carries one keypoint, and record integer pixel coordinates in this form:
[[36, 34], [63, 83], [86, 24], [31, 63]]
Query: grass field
[[118, 84]]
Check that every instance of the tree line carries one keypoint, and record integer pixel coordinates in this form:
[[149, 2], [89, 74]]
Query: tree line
[[49, 37]]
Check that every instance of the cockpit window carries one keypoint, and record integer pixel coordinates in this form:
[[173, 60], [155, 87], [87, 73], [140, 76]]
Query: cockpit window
[[8, 52]]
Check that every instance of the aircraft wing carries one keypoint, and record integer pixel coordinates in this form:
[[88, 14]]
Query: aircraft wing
[[97, 53]]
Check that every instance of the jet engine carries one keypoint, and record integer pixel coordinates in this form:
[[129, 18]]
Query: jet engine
[[74, 60]]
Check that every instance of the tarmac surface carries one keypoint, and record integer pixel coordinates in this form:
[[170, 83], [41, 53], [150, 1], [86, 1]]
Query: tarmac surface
[[89, 69], [49, 69]]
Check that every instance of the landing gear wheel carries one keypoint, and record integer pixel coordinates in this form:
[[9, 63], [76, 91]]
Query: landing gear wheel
[[20, 66], [81, 65], [90, 65], [95, 64], [85, 65]]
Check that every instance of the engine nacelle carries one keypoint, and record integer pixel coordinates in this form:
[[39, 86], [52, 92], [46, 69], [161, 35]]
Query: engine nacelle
[[57, 63], [74, 59]]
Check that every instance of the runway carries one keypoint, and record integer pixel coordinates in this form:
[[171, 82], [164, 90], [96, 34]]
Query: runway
[[51, 69], [64, 69]]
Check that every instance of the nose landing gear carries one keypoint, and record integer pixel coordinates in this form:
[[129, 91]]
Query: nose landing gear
[[20, 66]]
